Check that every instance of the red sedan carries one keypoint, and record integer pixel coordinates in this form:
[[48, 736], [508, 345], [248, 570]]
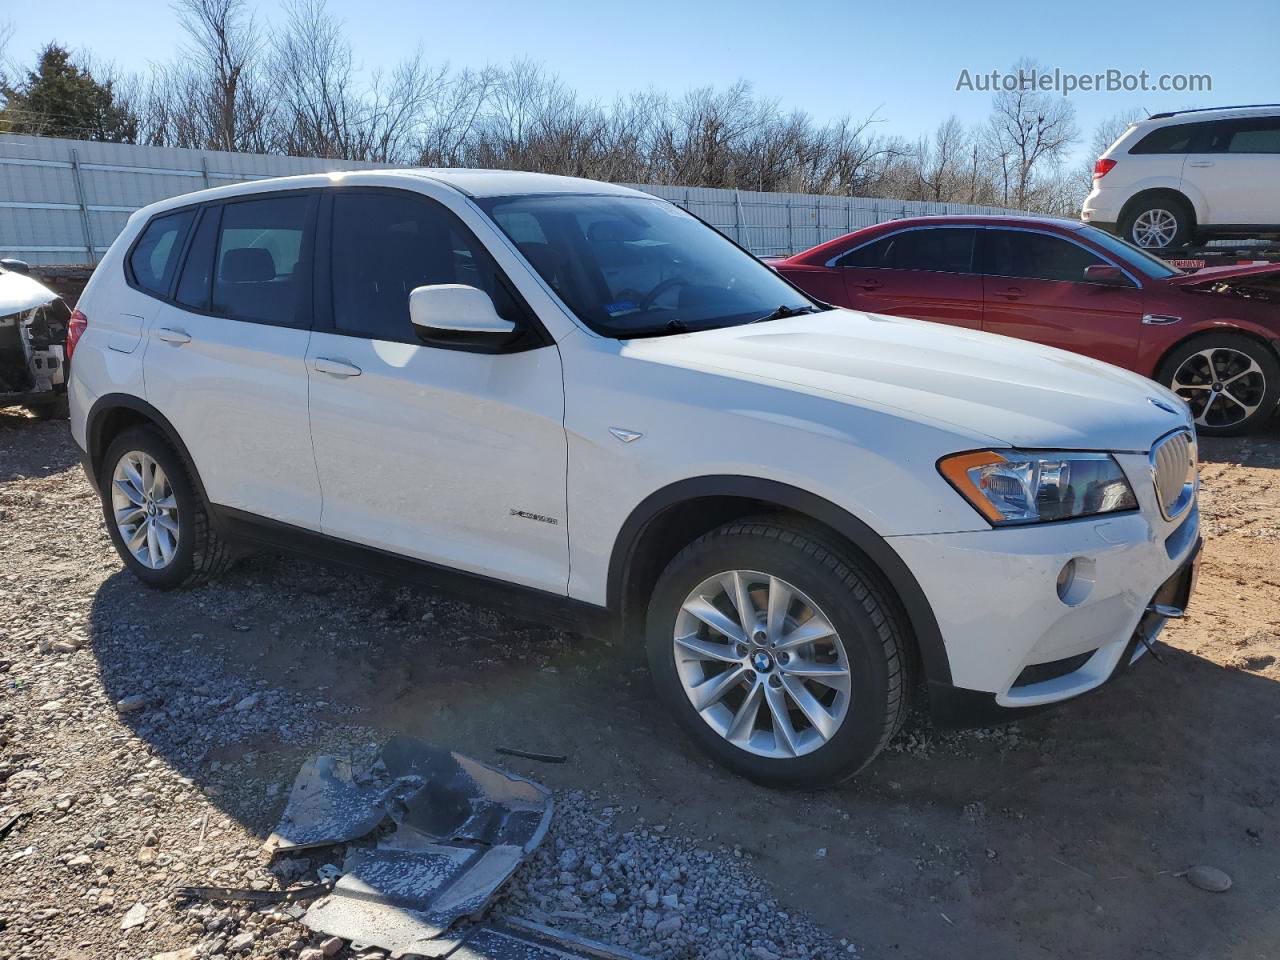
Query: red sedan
[[1212, 336]]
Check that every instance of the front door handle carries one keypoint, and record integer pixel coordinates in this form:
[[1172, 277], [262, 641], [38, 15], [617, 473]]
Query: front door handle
[[169, 335], [1012, 293], [1199, 163], [335, 368]]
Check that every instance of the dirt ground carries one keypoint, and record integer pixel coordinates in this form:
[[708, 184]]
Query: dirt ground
[[1063, 836]]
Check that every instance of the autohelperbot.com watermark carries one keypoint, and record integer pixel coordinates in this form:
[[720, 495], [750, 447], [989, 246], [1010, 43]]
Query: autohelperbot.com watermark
[[1066, 82]]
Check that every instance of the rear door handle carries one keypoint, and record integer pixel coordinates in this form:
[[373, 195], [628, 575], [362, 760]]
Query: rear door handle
[[868, 285], [1012, 293], [169, 335], [1199, 163], [335, 368]]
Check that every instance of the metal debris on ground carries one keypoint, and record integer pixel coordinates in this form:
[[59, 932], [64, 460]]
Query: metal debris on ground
[[524, 940], [458, 831], [531, 755], [249, 895]]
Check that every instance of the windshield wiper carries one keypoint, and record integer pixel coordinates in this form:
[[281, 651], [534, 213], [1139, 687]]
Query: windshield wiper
[[671, 326], [784, 311]]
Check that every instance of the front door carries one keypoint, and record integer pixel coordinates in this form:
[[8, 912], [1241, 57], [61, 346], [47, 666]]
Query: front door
[[1034, 289], [921, 272], [445, 455]]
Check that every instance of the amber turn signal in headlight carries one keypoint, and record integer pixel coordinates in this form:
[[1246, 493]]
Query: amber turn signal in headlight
[[1013, 486]]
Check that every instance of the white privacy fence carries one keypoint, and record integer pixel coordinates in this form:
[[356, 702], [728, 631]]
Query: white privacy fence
[[64, 201]]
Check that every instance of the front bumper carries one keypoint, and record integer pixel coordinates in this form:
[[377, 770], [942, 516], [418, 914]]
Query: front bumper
[[995, 596]]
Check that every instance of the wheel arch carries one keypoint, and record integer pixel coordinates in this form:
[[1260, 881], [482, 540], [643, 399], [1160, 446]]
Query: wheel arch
[[1152, 192], [669, 519], [113, 413], [1269, 343]]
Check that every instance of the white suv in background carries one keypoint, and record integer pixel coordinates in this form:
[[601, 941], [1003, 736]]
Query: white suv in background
[[1180, 177], [578, 402]]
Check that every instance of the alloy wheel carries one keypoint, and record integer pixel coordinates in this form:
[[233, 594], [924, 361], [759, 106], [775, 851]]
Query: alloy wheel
[[1222, 386], [145, 509], [1155, 228], [762, 665]]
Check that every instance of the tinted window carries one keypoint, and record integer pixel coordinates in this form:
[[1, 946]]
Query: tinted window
[[944, 249], [155, 256], [1035, 256], [1256, 135], [260, 268], [193, 285], [635, 266], [385, 245], [1175, 138]]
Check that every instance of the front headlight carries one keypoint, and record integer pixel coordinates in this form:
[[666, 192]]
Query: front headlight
[[1013, 487]]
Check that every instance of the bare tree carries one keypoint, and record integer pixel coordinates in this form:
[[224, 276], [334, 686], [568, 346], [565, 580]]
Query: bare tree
[[1029, 132]]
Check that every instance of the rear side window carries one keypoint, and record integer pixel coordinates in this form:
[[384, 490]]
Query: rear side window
[[1035, 256], [941, 249], [385, 245], [155, 256], [261, 264], [1254, 135], [1175, 138]]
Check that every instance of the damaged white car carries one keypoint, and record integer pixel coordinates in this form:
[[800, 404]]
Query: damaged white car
[[33, 333]]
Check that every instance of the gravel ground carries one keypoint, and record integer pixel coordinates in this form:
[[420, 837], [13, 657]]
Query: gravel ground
[[148, 741]]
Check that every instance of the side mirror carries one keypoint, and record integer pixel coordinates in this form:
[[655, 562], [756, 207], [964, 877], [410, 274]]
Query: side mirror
[[454, 314], [16, 266], [1107, 275]]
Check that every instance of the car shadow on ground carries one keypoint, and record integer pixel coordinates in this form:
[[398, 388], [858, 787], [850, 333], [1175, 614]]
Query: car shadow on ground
[[1064, 835], [41, 459]]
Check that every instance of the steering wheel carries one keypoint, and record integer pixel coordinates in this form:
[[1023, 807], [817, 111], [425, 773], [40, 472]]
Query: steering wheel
[[669, 284]]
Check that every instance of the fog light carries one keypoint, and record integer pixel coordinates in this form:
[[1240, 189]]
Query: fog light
[[1066, 578]]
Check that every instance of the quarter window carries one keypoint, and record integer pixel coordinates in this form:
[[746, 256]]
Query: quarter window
[[941, 249], [261, 265], [1175, 138], [155, 256], [385, 245], [1035, 256]]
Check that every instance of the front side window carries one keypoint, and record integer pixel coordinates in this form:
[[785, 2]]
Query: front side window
[[1035, 256], [1254, 135], [261, 265], [155, 256], [1143, 261], [635, 266], [941, 249], [385, 245]]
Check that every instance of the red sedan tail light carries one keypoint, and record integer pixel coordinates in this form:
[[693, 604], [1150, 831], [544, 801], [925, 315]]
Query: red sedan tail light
[[1102, 167], [76, 327]]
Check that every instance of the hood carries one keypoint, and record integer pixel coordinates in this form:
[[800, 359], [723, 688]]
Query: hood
[[19, 293], [985, 386], [1218, 274]]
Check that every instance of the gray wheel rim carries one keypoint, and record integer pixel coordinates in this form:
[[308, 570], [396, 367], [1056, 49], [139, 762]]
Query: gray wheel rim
[[145, 510], [1223, 386], [1155, 228], [762, 665]]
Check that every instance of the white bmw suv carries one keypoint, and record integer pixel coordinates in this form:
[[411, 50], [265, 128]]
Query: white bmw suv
[[577, 402], [1191, 175]]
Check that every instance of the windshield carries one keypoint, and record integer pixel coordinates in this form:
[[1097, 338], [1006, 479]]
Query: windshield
[[1136, 257], [634, 266]]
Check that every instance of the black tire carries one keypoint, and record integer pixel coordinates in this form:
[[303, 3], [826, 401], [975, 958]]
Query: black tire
[[1180, 210], [200, 554], [53, 410], [852, 597], [1261, 388]]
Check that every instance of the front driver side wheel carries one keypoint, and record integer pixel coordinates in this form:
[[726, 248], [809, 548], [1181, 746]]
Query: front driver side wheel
[[779, 652]]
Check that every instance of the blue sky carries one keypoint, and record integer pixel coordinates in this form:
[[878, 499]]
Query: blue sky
[[901, 60]]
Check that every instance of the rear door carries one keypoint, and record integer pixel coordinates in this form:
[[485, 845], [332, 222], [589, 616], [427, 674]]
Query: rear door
[[1239, 172], [443, 454], [225, 359], [1034, 289], [922, 272]]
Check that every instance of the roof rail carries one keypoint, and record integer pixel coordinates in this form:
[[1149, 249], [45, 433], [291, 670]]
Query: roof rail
[[1237, 106]]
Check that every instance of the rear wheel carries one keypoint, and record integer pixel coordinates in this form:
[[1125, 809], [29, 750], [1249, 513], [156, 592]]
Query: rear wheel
[[1158, 222], [155, 515], [779, 653], [1231, 382]]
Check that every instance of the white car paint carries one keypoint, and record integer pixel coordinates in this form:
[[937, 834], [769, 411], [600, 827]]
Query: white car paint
[[1222, 188], [426, 452]]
